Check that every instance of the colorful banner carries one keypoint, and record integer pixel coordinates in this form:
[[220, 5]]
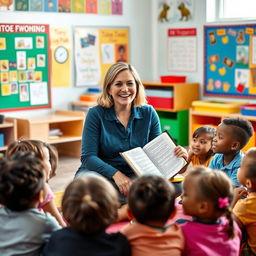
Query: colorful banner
[[60, 55]]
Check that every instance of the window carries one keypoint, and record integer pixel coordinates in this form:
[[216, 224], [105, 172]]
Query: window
[[218, 10]]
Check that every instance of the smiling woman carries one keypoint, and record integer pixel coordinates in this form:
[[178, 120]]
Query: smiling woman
[[121, 121]]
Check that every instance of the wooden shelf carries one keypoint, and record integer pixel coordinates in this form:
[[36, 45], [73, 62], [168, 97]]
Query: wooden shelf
[[70, 123], [183, 93], [9, 130]]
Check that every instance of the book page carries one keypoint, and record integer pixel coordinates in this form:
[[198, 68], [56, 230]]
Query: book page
[[161, 152], [140, 163]]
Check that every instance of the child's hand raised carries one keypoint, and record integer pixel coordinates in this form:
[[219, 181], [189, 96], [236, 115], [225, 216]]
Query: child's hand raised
[[181, 152], [239, 193]]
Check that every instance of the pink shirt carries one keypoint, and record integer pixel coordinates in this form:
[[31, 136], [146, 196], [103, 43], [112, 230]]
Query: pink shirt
[[146, 241], [49, 197], [210, 239]]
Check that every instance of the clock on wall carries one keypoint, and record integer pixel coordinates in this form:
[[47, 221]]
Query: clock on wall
[[61, 54]]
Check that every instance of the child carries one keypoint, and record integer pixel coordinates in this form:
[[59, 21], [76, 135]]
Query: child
[[207, 195], [48, 154], [200, 152], [232, 135], [151, 203], [245, 209], [23, 228], [89, 205]]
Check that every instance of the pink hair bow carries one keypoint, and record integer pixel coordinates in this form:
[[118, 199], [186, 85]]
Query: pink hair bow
[[223, 202]]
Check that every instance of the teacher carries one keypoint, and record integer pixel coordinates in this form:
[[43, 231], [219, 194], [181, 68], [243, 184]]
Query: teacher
[[121, 121]]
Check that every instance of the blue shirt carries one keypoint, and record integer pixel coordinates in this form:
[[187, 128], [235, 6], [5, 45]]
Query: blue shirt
[[230, 169], [104, 137]]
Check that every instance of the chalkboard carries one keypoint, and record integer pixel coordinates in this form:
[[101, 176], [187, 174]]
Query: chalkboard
[[230, 61], [24, 67]]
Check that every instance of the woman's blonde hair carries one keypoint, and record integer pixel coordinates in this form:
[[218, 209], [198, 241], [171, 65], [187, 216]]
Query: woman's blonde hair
[[105, 99]]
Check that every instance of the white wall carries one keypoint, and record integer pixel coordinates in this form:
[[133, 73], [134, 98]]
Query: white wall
[[136, 16]]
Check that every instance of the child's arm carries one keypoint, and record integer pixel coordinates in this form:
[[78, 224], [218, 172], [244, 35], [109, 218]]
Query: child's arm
[[238, 194], [52, 209]]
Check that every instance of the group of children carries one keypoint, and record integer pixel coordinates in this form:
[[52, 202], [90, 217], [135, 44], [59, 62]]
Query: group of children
[[221, 203]]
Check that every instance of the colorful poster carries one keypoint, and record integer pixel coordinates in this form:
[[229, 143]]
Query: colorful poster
[[91, 6], [104, 7], [21, 5], [7, 5], [78, 6], [36, 5], [64, 6], [87, 61], [117, 7], [50, 6], [60, 55], [24, 62]]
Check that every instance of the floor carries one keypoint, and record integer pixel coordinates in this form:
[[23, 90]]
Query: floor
[[65, 173]]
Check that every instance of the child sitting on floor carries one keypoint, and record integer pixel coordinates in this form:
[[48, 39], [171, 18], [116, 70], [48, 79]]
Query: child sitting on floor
[[232, 134], [89, 205], [207, 195], [151, 203], [245, 209], [49, 155], [23, 228], [200, 150]]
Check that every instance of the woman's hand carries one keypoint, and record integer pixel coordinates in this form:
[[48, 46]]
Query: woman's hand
[[122, 181], [181, 152]]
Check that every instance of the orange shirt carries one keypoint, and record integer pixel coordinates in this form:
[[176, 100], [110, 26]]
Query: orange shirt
[[145, 240], [195, 161]]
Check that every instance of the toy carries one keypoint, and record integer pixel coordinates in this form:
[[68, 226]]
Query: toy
[[184, 11], [164, 12]]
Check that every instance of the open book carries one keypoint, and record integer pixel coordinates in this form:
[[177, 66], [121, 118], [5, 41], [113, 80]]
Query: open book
[[155, 158]]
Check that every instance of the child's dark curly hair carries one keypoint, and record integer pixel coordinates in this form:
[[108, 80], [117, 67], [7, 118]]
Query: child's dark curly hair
[[151, 198], [242, 129], [21, 179]]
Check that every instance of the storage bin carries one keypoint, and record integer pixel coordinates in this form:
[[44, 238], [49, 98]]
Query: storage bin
[[248, 110], [160, 102], [217, 106], [1, 139], [173, 79], [89, 97]]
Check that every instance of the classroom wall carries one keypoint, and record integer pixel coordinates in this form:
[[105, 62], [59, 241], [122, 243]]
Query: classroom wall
[[136, 16]]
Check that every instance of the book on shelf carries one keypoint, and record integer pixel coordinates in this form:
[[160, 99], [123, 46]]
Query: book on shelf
[[155, 158]]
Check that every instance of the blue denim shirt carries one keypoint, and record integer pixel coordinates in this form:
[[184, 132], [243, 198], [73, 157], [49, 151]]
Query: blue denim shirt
[[104, 137], [230, 169]]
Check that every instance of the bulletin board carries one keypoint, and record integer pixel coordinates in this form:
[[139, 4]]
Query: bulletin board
[[230, 61], [96, 49], [24, 67]]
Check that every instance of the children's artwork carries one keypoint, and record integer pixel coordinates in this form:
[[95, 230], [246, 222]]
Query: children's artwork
[[91, 6], [35, 5], [39, 93], [175, 10], [5, 89], [40, 60], [24, 94], [2, 43], [24, 61], [104, 6], [229, 68], [64, 6], [91, 65], [4, 65], [39, 42], [117, 7], [21, 60], [78, 6], [21, 5], [6, 5], [50, 6], [23, 43], [14, 87]]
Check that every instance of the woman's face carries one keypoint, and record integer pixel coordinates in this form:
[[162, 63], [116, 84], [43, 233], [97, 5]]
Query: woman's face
[[123, 89]]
